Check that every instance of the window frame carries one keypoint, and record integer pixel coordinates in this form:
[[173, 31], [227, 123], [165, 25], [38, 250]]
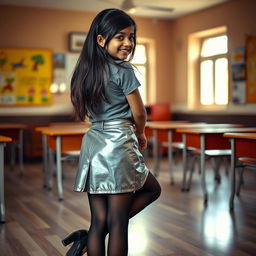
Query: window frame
[[146, 65], [213, 58]]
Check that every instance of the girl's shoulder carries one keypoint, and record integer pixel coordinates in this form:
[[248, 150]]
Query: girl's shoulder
[[121, 64], [120, 67]]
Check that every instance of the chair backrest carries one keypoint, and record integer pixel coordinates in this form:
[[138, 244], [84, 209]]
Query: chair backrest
[[160, 112]]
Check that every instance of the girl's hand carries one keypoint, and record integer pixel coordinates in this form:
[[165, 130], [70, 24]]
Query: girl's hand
[[142, 141]]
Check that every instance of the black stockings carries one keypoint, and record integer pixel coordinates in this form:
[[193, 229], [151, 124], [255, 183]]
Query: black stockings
[[145, 196], [110, 213]]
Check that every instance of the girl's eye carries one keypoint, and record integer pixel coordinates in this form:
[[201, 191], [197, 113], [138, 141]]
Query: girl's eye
[[131, 38], [120, 37]]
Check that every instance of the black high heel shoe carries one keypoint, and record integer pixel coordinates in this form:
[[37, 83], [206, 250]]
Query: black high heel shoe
[[79, 239]]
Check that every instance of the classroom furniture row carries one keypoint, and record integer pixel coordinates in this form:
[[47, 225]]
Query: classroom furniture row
[[16, 132], [205, 140], [12, 134], [62, 140]]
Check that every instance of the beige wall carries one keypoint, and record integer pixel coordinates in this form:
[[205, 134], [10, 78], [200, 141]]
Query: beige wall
[[240, 19], [43, 28], [46, 28]]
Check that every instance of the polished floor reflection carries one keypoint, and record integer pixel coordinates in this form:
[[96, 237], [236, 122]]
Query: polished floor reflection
[[177, 224]]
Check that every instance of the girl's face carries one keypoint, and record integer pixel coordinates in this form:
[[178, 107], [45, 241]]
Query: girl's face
[[121, 45]]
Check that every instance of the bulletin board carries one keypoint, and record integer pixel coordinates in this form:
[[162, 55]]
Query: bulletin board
[[25, 76], [251, 69]]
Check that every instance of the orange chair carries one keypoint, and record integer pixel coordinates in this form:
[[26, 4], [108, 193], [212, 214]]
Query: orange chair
[[159, 112]]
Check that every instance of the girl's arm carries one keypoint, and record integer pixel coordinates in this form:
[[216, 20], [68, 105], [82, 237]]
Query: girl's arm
[[139, 115]]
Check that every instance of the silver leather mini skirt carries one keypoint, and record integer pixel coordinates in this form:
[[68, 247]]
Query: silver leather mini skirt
[[110, 161]]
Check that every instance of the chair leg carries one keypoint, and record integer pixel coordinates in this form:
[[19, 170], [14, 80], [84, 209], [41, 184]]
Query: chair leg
[[199, 168], [240, 180], [13, 155], [216, 168], [192, 169], [160, 155], [176, 155], [226, 163]]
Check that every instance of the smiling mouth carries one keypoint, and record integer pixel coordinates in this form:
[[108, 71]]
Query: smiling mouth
[[127, 51]]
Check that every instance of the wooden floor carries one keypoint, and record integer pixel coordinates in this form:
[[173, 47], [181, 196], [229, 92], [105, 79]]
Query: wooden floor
[[176, 224]]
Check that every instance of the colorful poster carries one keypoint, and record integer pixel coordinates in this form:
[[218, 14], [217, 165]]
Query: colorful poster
[[239, 92], [71, 59], [25, 76], [239, 55], [238, 88], [251, 69], [59, 73], [238, 72]]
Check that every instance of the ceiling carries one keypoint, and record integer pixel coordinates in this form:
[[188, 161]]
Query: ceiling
[[181, 7]]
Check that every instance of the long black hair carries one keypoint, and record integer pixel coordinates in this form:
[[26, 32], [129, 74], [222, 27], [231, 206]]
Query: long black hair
[[89, 77]]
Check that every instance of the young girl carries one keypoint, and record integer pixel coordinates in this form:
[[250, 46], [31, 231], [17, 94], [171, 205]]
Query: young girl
[[111, 167]]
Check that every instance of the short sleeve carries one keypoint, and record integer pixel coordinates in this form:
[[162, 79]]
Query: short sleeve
[[128, 80]]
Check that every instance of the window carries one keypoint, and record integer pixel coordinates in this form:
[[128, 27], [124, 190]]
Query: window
[[140, 61], [214, 71]]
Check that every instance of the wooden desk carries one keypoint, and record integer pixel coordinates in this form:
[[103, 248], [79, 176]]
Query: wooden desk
[[174, 138], [169, 127], [3, 141], [206, 139], [242, 145], [59, 139], [46, 181], [15, 131]]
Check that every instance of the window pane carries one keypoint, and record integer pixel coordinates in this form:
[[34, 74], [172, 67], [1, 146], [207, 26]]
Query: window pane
[[215, 45], [221, 81], [141, 75], [206, 82], [139, 55]]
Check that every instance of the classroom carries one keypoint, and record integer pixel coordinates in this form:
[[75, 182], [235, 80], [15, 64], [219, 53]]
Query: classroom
[[195, 61]]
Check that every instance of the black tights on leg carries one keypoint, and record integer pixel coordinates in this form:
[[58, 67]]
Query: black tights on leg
[[110, 213], [118, 219], [145, 196], [98, 229]]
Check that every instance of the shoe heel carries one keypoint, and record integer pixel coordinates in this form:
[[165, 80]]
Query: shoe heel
[[69, 239]]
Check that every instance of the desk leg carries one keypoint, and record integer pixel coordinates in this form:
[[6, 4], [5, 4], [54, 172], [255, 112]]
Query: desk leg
[[155, 153], [50, 168], [45, 160], [59, 168], [170, 156], [202, 164], [233, 174], [2, 210], [13, 157], [184, 162], [20, 145]]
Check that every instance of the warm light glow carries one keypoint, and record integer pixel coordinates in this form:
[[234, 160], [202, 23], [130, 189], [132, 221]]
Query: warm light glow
[[140, 56], [58, 88], [214, 71], [140, 73], [206, 82], [217, 229], [54, 88], [214, 45], [137, 239], [62, 87], [221, 81], [140, 60], [132, 10]]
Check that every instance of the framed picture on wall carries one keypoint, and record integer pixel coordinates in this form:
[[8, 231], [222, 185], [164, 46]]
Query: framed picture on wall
[[76, 41]]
